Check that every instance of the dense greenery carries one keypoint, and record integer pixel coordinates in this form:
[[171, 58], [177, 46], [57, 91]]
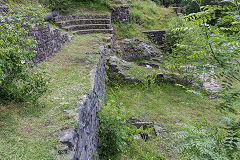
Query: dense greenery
[[187, 6], [203, 42], [16, 81], [144, 15], [211, 48], [65, 6], [117, 138]]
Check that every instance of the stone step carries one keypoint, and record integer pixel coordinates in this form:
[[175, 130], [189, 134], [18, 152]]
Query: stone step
[[94, 31], [83, 21], [72, 17], [87, 27]]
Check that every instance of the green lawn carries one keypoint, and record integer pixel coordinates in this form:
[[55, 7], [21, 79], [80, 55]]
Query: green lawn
[[170, 107], [28, 131]]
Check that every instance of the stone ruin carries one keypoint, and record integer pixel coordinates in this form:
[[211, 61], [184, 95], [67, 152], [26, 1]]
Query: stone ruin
[[120, 13], [49, 41], [177, 10]]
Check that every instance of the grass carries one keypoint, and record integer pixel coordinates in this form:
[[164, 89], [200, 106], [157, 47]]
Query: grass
[[28, 131], [145, 15], [170, 107], [86, 8]]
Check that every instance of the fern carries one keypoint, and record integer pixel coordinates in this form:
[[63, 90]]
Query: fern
[[208, 143]]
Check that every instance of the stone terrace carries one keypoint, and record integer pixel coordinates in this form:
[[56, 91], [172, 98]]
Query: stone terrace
[[84, 24]]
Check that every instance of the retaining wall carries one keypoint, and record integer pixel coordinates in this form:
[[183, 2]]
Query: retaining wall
[[49, 41], [120, 13], [87, 140]]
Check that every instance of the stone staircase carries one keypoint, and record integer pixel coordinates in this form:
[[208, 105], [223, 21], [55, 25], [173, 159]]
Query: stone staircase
[[85, 24]]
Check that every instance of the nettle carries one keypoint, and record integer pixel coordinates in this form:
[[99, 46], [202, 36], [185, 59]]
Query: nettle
[[17, 82], [208, 41]]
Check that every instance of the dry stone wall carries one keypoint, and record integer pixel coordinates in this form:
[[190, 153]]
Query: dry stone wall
[[120, 13], [87, 140], [49, 41]]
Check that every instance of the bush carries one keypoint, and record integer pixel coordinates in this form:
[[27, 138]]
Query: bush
[[188, 6], [211, 49], [65, 6], [208, 143], [110, 131], [17, 82], [59, 5], [117, 137]]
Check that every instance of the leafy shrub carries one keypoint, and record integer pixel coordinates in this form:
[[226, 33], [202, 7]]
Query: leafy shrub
[[213, 47], [59, 5], [65, 6], [187, 6], [16, 80], [111, 119], [117, 137], [208, 142]]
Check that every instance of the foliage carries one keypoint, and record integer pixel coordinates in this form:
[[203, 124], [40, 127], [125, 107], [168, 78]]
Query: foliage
[[16, 81], [206, 47], [110, 131], [148, 15], [117, 137], [124, 30], [209, 43], [26, 130], [187, 6], [144, 15], [208, 142], [60, 5], [65, 6]]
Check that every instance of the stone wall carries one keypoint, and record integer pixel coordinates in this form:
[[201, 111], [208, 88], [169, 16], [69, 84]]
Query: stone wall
[[87, 140], [155, 36], [177, 10], [120, 13], [49, 41]]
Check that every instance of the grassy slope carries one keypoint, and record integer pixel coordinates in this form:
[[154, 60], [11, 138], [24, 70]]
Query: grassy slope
[[145, 15], [27, 132], [170, 106]]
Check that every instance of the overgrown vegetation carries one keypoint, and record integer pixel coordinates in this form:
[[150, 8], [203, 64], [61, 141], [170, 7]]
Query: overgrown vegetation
[[120, 140], [203, 42], [211, 48], [30, 132], [166, 105], [144, 15], [187, 6], [69, 6], [17, 82]]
